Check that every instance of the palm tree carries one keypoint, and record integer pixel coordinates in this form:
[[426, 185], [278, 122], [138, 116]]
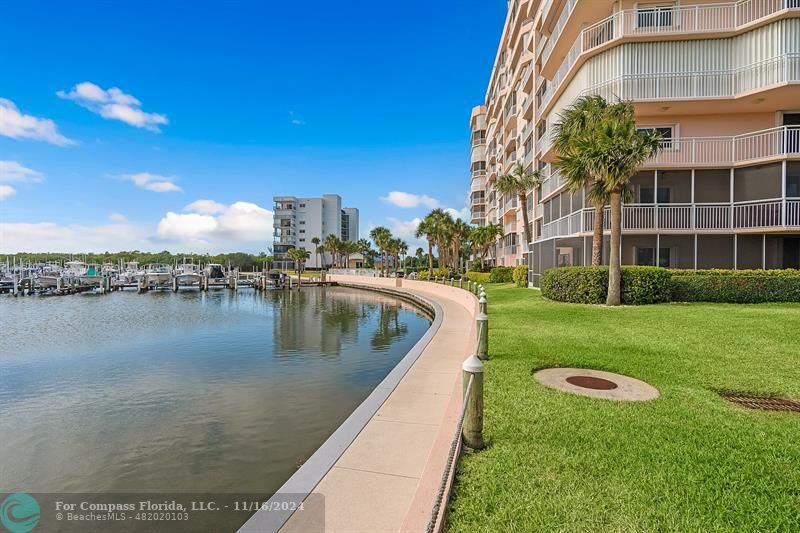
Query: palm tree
[[439, 224], [613, 154], [578, 127], [299, 256], [402, 250], [483, 239], [333, 244], [315, 241], [381, 237], [419, 255], [518, 182], [461, 231], [426, 228], [348, 249]]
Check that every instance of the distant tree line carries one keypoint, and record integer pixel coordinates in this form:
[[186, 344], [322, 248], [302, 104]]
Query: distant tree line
[[241, 260]]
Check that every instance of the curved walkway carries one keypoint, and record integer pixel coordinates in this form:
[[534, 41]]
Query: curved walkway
[[388, 478]]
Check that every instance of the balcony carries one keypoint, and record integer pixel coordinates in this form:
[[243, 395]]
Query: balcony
[[706, 84], [673, 20], [777, 214], [552, 184], [775, 143]]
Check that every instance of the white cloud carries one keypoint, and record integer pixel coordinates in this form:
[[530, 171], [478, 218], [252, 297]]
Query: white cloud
[[113, 104], [11, 171], [153, 182], [464, 213], [241, 226], [47, 236], [205, 207], [405, 229], [18, 125], [117, 217], [296, 121], [7, 191], [405, 199], [209, 225]]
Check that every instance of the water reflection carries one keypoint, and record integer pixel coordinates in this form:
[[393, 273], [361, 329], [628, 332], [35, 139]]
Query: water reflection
[[170, 392]]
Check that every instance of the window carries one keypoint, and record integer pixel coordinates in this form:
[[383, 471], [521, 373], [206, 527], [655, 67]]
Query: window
[[302, 231], [302, 222], [302, 205], [666, 134], [302, 240], [655, 16], [564, 257], [646, 195], [541, 129], [647, 257], [793, 178]]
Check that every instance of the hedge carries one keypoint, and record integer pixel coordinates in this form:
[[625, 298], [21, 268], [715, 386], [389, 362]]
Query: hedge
[[646, 285], [589, 285], [520, 275], [501, 275], [478, 277], [736, 286]]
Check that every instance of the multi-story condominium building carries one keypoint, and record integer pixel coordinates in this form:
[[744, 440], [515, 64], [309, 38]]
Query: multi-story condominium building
[[298, 220], [720, 80]]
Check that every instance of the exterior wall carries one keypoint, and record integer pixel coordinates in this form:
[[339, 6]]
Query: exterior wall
[[298, 220], [725, 190]]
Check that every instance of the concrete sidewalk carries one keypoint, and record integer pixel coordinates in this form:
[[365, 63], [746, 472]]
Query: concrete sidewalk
[[388, 478]]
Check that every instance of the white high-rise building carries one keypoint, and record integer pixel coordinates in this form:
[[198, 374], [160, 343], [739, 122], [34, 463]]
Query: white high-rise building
[[298, 220]]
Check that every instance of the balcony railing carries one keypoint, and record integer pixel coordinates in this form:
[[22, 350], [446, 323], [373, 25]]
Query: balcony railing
[[702, 151], [552, 183], [780, 142], [566, 12], [756, 214], [690, 19], [478, 142], [701, 84]]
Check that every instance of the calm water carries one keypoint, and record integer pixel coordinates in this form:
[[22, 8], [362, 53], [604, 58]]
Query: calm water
[[208, 392]]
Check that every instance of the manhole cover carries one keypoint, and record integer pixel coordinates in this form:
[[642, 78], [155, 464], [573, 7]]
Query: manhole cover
[[589, 382], [596, 384], [760, 402]]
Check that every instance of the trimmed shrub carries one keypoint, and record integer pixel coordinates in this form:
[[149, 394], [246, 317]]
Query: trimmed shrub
[[580, 285], [736, 286], [478, 277], [589, 285], [643, 285], [423, 275], [501, 275], [520, 275]]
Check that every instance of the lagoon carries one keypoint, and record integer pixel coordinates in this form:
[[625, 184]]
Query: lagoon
[[208, 392]]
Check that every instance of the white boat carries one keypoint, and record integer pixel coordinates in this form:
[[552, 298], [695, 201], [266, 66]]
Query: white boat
[[50, 277], [109, 269], [132, 273], [158, 274], [215, 273], [188, 275], [91, 277], [81, 274]]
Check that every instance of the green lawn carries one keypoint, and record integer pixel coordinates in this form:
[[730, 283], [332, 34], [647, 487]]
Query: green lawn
[[688, 461]]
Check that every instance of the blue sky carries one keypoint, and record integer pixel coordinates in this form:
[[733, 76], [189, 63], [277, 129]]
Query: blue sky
[[115, 121]]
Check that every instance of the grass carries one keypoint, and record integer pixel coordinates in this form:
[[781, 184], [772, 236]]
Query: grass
[[688, 461]]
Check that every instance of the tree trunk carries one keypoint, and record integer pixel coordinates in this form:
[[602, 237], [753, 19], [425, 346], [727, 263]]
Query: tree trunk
[[523, 201], [614, 278], [430, 256], [597, 235]]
